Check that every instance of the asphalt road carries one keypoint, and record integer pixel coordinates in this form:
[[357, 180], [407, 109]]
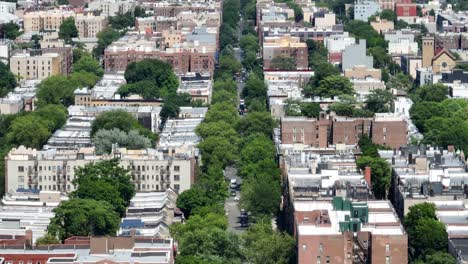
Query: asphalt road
[[231, 207]]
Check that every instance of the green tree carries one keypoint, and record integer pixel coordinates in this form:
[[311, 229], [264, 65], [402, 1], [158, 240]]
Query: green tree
[[122, 20], [10, 31], [381, 57], [249, 43], [298, 14], [400, 81], [54, 115], [190, 199], [83, 217], [83, 79], [292, 107], [121, 120], [104, 139], [420, 112], [222, 112], [159, 72], [334, 86], [47, 239], [68, 30], [256, 122], [262, 243], [388, 15], [310, 109], [380, 174], [432, 92], [283, 63], [429, 235], [29, 130], [105, 38], [88, 64], [261, 194], [380, 101], [104, 181], [224, 96], [7, 80], [219, 128], [217, 150], [56, 89], [255, 88], [439, 257]]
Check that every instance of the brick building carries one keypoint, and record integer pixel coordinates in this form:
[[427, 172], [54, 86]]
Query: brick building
[[94, 250], [285, 46], [89, 25], [186, 57], [385, 129], [344, 231], [349, 130], [308, 131], [45, 20]]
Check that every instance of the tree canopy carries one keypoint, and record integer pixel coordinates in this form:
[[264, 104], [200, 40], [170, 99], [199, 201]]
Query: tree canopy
[[426, 234], [104, 139], [155, 77], [83, 217], [7, 80], [121, 120], [68, 30], [104, 181]]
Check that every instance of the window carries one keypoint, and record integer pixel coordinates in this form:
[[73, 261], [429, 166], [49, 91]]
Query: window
[[176, 177], [20, 169], [387, 248], [321, 248], [20, 178], [176, 187], [327, 260], [176, 168], [387, 260], [319, 261]]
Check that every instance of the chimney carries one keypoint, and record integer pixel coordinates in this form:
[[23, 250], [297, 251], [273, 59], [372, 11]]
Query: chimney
[[28, 238], [367, 175], [451, 148]]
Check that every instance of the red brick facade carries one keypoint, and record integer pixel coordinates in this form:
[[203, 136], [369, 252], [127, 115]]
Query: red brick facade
[[341, 130], [182, 62]]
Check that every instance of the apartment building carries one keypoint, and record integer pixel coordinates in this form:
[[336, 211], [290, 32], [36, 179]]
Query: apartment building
[[347, 231], [356, 54], [45, 20], [362, 72], [111, 7], [285, 46], [54, 169], [184, 58], [7, 7], [90, 25], [385, 129], [94, 250], [150, 214], [363, 9], [426, 174], [36, 65]]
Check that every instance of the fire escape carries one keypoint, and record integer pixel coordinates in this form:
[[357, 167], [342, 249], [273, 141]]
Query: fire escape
[[360, 251], [62, 177], [32, 176], [165, 173]]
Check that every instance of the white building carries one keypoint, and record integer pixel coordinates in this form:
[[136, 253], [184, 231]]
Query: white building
[[111, 7], [337, 43], [7, 7], [54, 170], [403, 46], [363, 9]]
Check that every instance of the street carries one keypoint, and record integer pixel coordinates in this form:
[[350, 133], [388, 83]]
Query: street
[[231, 207]]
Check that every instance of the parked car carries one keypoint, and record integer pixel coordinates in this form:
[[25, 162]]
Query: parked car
[[233, 193]]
